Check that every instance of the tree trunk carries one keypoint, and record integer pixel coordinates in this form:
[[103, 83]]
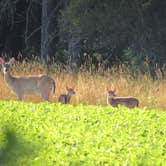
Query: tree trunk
[[44, 31], [73, 53], [49, 29]]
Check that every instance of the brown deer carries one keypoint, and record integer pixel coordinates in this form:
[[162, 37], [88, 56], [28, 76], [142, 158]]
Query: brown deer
[[65, 98], [42, 85], [129, 102]]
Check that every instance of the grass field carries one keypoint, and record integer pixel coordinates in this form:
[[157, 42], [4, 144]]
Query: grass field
[[54, 134], [87, 132], [91, 88]]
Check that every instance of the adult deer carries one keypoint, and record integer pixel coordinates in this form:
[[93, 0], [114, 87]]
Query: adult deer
[[42, 85], [129, 102]]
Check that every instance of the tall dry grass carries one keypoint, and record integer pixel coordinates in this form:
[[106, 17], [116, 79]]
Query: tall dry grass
[[91, 88]]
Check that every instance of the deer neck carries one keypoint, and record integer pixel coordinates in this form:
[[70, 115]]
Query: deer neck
[[68, 97], [110, 99], [8, 78]]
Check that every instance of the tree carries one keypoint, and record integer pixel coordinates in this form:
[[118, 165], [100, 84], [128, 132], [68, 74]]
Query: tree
[[32, 25], [103, 27], [110, 27], [49, 30]]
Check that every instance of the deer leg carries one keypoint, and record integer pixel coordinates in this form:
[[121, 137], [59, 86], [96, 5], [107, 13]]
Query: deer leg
[[45, 96], [45, 92], [20, 97]]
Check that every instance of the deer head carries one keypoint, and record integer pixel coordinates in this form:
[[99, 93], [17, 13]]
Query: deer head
[[70, 90], [6, 65], [111, 93]]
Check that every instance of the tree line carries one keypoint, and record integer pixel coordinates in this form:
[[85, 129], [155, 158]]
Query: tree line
[[86, 32]]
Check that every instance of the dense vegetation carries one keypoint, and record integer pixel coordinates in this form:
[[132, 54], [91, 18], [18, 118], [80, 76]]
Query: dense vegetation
[[109, 43], [87, 32], [54, 134], [91, 85]]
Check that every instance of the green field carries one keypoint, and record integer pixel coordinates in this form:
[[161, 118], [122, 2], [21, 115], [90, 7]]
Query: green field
[[53, 134]]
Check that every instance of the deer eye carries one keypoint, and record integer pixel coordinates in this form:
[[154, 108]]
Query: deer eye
[[7, 65]]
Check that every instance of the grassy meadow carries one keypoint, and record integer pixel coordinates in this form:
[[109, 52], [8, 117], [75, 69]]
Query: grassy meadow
[[85, 132], [91, 88]]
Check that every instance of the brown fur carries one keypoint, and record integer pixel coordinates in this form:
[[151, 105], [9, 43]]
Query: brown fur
[[42, 85], [129, 102], [65, 98]]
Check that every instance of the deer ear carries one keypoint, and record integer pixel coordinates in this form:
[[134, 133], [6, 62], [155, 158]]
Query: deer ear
[[12, 60], [73, 87], [114, 90], [1, 60]]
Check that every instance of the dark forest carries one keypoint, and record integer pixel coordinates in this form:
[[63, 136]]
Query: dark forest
[[77, 32]]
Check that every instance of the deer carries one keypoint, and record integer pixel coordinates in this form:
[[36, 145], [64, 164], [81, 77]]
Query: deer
[[114, 101], [41, 85], [65, 98]]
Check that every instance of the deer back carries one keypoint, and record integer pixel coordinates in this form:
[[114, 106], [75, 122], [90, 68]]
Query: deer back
[[129, 102], [30, 84]]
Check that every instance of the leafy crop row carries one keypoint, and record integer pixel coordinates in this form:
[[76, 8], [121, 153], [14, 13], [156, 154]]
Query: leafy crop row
[[55, 134]]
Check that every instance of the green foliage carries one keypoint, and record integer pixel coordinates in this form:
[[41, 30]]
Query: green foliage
[[103, 26], [55, 134], [75, 27], [100, 25], [135, 63], [110, 27]]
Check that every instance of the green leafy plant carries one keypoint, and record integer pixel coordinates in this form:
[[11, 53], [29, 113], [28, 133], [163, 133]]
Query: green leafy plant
[[55, 134]]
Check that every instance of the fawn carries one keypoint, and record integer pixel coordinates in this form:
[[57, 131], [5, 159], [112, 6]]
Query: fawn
[[42, 85], [65, 98], [129, 102]]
